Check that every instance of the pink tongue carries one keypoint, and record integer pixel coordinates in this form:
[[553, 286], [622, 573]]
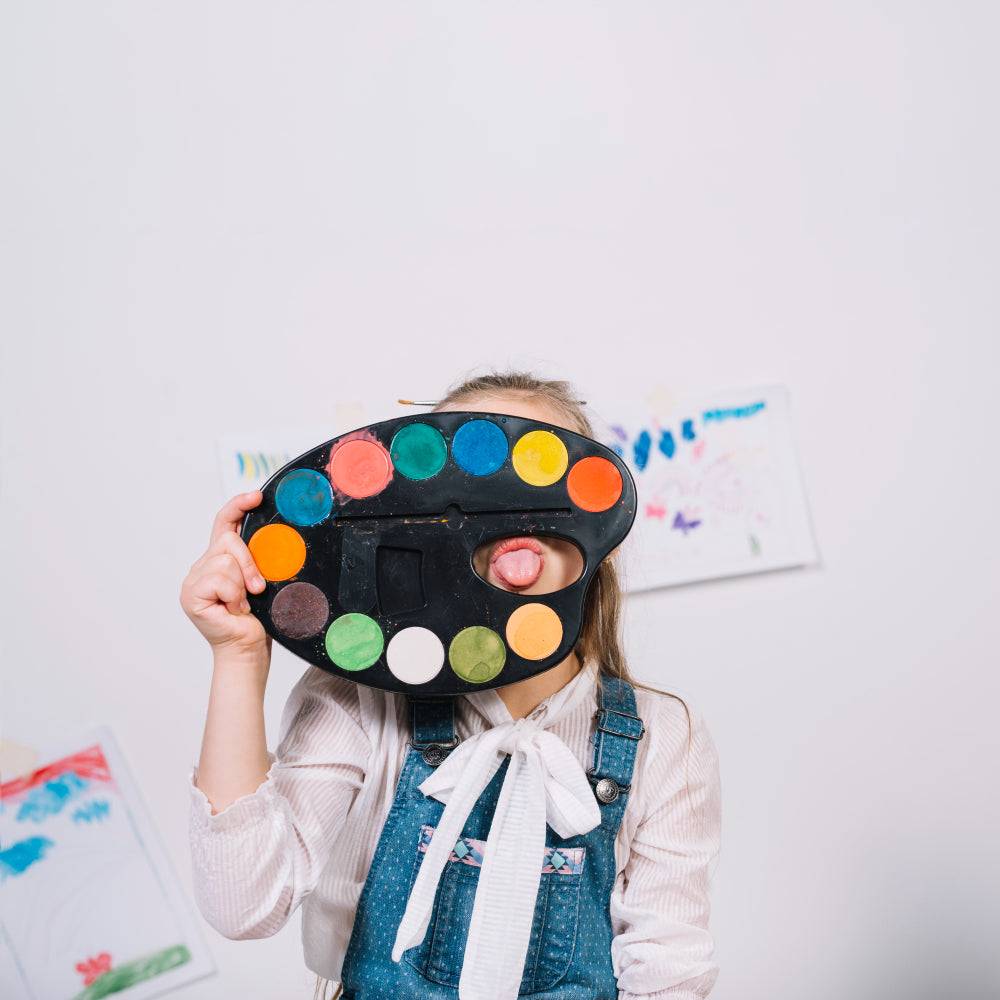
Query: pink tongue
[[519, 567]]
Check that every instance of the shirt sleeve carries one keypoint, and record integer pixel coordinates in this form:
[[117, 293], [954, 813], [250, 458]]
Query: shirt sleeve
[[255, 861], [662, 949]]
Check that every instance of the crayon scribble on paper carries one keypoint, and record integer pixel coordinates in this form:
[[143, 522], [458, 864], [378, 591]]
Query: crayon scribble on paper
[[710, 474], [78, 844]]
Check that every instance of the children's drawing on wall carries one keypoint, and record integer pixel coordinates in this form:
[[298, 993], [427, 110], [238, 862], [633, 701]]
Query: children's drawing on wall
[[248, 458], [91, 907], [719, 488]]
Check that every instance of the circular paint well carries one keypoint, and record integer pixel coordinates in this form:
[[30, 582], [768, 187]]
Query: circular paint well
[[534, 631], [300, 610], [594, 483], [304, 497], [360, 468], [278, 551], [415, 655], [479, 447], [539, 458], [418, 451], [354, 641], [477, 654]]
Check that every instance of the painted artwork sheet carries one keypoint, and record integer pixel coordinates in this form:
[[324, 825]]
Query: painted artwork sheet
[[719, 488], [91, 907], [248, 458]]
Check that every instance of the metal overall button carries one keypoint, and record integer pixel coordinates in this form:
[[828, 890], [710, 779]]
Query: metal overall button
[[607, 790], [434, 753]]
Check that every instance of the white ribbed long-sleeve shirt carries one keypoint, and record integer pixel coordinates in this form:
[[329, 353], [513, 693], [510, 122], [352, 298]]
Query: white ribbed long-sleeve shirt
[[308, 833]]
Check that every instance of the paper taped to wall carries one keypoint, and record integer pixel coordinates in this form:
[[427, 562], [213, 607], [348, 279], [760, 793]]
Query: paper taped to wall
[[719, 488], [248, 458], [91, 906]]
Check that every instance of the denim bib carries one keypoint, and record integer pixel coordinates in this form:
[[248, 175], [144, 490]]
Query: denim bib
[[569, 953]]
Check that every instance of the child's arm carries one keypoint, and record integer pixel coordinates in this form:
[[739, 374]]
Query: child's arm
[[662, 947], [234, 758], [257, 859], [262, 825]]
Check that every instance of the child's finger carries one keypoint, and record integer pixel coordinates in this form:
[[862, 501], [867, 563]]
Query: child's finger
[[218, 588], [234, 546], [229, 517], [225, 564]]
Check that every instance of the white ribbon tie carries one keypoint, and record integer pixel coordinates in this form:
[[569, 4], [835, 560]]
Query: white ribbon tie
[[544, 783]]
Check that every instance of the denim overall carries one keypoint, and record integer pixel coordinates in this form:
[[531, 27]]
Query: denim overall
[[569, 953]]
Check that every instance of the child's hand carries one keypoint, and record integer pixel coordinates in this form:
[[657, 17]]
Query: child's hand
[[213, 594]]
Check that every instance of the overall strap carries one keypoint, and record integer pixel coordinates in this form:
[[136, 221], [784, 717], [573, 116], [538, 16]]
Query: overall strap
[[616, 738], [433, 727]]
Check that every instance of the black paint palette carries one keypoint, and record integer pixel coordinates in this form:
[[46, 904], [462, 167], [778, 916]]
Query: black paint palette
[[367, 544]]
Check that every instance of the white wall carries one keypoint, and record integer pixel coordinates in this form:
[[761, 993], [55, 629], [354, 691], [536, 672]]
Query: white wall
[[228, 215]]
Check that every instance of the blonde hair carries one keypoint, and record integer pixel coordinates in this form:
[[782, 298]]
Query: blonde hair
[[600, 637]]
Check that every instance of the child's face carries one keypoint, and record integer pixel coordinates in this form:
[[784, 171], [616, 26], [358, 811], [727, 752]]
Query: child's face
[[535, 564]]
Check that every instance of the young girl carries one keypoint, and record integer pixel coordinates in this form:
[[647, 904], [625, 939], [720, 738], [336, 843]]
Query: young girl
[[339, 817]]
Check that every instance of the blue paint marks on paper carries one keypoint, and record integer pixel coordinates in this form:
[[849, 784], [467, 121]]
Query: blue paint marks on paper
[[19, 857], [733, 412], [254, 464], [50, 798], [92, 812], [681, 523], [667, 444], [618, 450], [640, 450], [717, 484]]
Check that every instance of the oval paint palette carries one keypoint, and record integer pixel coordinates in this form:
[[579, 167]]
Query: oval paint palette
[[367, 545]]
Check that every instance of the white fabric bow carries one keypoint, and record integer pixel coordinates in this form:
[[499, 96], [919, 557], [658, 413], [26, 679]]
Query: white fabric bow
[[544, 783]]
